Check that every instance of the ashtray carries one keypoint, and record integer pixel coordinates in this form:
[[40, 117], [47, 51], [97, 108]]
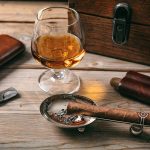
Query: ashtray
[[54, 109]]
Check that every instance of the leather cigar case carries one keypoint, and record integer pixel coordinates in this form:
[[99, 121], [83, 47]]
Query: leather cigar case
[[9, 48]]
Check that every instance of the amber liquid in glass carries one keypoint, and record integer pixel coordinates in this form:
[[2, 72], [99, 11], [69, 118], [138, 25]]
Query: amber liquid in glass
[[57, 52]]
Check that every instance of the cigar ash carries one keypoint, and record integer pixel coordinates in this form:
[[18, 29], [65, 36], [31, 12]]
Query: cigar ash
[[63, 118]]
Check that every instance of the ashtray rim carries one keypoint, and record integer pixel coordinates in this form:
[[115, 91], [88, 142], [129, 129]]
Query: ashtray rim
[[53, 99]]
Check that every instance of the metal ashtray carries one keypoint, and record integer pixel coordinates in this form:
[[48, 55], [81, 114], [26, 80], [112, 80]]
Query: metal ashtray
[[54, 109]]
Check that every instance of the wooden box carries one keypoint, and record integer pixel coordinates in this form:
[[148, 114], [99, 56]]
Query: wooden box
[[97, 19]]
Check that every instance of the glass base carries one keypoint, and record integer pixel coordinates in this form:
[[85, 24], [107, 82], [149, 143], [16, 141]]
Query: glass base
[[59, 82]]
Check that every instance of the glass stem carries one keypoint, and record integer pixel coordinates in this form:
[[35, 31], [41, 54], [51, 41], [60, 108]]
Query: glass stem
[[59, 74]]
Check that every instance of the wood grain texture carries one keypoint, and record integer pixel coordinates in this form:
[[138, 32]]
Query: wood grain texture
[[24, 11], [23, 32], [140, 8], [35, 133], [99, 40], [21, 125], [24, 128], [94, 84]]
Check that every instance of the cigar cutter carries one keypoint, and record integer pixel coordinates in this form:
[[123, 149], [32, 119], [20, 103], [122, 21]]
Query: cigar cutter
[[54, 109], [7, 94]]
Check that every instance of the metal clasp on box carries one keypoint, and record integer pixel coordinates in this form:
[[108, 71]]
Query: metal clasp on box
[[121, 23]]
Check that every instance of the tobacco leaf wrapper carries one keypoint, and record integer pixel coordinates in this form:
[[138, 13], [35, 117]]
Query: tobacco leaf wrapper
[[106, 113], [133, 85], [138, 77]]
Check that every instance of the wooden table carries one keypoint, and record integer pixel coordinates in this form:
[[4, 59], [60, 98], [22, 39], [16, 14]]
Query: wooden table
[[21, 124]]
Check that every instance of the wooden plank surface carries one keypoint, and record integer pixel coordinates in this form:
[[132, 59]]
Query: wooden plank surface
[[21, 125], [94, 84], [25, 11], [34, 133], [24, 128]]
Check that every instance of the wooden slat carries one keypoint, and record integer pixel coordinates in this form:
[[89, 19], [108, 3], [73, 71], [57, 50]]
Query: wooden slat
[[35, 133], [23, 32], [24, 11], [94, 84]]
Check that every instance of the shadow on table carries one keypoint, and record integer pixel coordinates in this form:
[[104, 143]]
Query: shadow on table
[[101, 131]]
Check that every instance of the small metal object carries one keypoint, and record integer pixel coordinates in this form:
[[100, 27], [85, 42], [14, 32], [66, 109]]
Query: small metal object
[[7, 94], [121, 23], [81, 129], [137, 129], [142, 116]]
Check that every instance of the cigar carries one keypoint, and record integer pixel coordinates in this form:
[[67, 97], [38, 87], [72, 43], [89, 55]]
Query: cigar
[[132, 88], [138, 77], [106, 113]]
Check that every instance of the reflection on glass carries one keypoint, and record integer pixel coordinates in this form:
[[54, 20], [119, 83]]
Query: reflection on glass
[[57, 43]]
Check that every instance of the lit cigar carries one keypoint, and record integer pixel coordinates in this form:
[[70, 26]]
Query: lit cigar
[[106, 113]]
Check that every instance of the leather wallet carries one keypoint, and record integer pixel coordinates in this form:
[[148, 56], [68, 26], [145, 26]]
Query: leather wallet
[[9, 48]]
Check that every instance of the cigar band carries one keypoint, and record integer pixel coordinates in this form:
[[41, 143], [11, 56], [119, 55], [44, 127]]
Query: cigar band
[[142, 116]]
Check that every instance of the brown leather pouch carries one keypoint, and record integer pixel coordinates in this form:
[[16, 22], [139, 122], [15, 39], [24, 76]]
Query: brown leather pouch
[[9, 48]]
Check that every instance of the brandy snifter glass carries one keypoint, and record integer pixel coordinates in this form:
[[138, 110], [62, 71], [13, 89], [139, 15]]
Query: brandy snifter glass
[[57, 43]]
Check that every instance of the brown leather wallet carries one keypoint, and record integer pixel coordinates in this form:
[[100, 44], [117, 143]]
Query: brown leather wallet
[[9, 48]]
